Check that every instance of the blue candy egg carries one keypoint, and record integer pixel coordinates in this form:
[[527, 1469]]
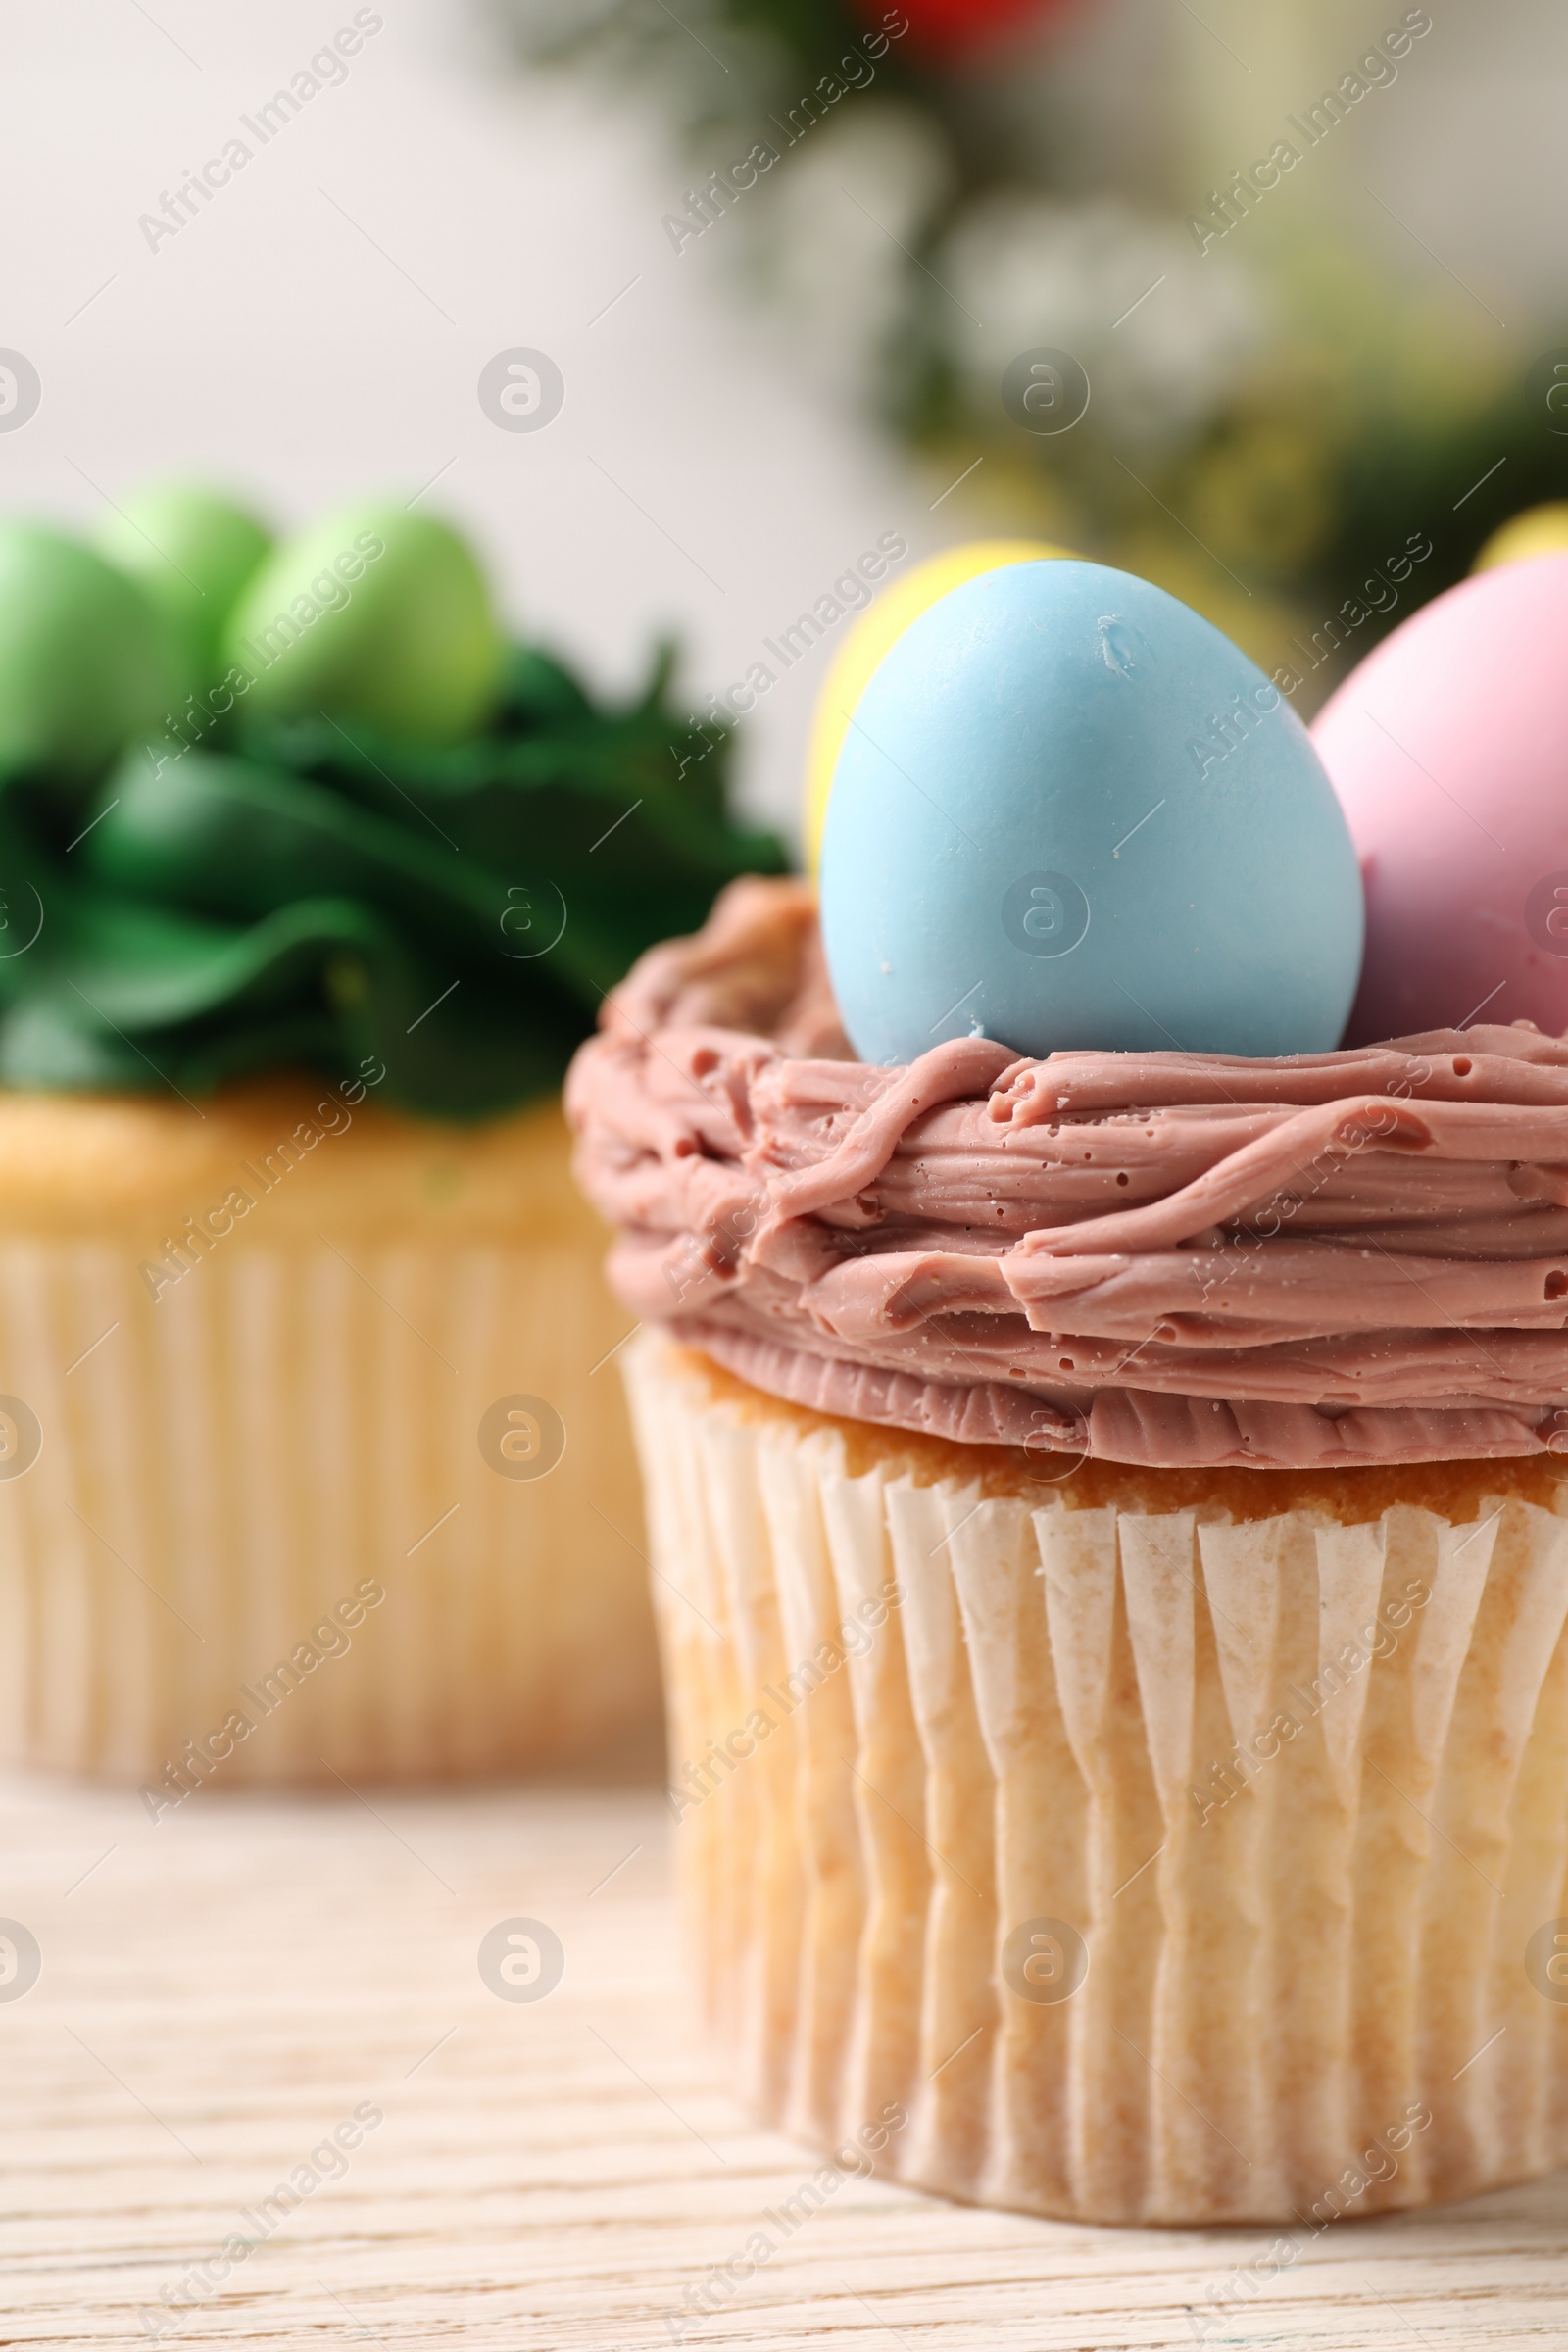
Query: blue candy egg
[[1069, 812]]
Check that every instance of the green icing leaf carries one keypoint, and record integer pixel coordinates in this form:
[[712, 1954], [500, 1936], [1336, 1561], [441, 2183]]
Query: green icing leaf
[[313, 894]]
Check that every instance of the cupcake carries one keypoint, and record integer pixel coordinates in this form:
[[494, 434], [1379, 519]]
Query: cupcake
[[312, 1457], [1103, 1492]]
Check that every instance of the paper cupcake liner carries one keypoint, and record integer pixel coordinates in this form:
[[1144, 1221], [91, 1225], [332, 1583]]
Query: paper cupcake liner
[[277, 1524], [1158, 1868]]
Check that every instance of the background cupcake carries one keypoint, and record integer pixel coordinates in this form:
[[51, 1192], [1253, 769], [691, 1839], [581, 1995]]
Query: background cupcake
[[1113, 1570], [299, 1311]]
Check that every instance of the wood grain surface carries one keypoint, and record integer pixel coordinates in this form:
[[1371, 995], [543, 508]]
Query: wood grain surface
[[221, 1991]]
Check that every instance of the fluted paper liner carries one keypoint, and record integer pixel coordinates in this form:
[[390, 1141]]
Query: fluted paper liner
[[1307, 1990], [231, 1472]]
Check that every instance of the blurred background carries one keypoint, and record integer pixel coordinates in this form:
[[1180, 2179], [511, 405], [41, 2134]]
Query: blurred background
[[782, 254]]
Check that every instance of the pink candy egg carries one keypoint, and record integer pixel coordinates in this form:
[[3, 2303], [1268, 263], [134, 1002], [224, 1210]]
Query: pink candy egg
[[1448, 749]]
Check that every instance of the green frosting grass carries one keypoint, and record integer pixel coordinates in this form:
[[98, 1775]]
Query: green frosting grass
[[316, 894]]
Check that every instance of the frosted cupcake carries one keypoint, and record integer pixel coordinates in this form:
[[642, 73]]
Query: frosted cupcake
[[1113, 1574], [310, 1463]]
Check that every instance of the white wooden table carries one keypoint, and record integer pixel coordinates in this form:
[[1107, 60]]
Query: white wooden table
[[219, 1991]]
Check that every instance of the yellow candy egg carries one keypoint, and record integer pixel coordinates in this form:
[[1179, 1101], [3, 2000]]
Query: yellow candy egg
[[1538, 531], [874, 635]]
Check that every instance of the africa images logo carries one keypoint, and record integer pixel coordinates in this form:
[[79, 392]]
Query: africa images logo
[[328, 69]]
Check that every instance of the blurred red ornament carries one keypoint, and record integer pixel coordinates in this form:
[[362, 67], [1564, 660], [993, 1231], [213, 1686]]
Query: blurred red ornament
[[951, 28]]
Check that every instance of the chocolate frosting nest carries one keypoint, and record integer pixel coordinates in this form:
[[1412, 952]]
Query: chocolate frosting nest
[[1166, 1258]]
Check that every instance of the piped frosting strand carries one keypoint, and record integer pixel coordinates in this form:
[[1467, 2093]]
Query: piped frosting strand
[[1167, 1258]]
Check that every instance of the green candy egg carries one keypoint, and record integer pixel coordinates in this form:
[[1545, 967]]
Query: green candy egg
[[85, 668], [191, 550], [374, 613]]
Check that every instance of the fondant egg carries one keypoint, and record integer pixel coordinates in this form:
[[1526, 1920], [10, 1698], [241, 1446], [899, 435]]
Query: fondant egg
[[191, 550], [84, 669], [1448, 749], [905, 598], [372, 613], [1069, 812], [1538, 531]]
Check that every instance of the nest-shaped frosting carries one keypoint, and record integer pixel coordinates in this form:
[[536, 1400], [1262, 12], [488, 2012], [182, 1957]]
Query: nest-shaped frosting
[[1166, 1259]]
